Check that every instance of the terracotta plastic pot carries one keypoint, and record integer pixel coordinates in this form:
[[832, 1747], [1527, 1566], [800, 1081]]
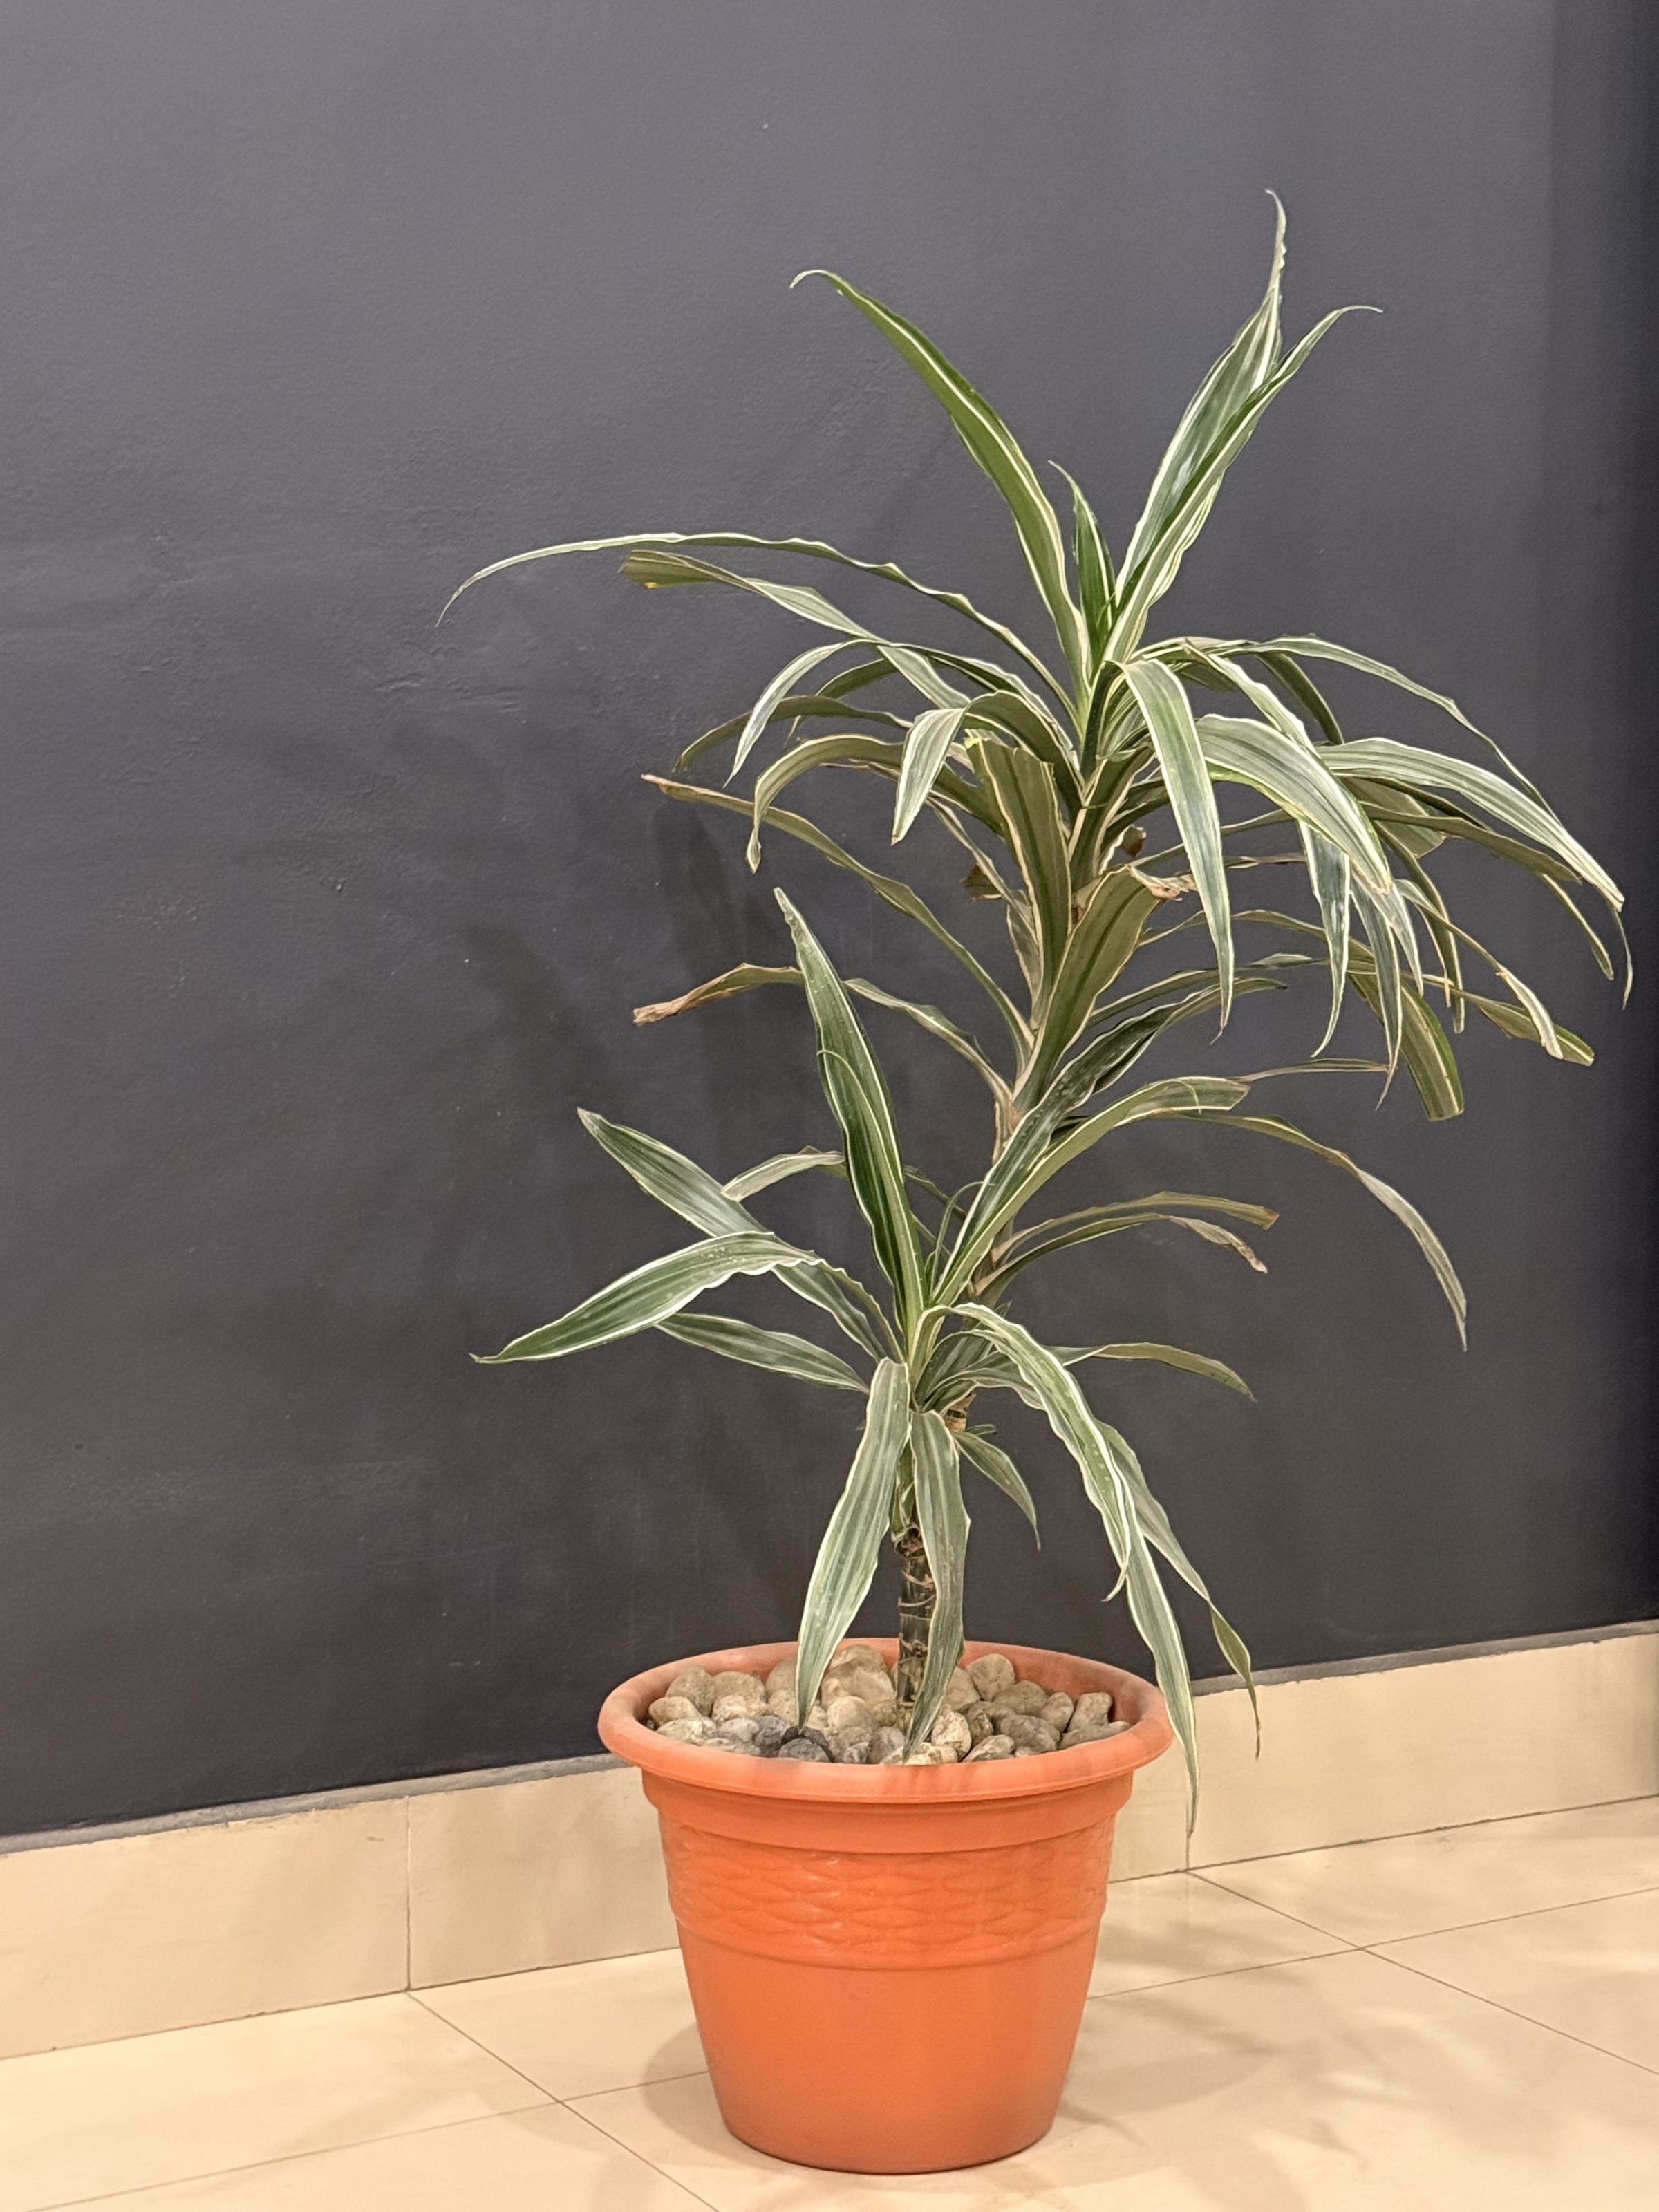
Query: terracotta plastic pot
[[889, 1963]]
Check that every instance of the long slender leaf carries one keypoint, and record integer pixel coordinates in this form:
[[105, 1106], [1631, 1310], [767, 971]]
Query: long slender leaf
[[857, 1092], [845, 1564], [1097, 584], [937, 1025], [1151, 575], [729, 985], [649, 1294], [779, 1167], [888, 888], [1241, 370], [1414, 769], [1109, 1484], [774, 1349], [943, 1520], [689, 1191], [989, 439], [994, 1464], [930, 740], [1037, 1152], [1330, 872], [1186, 772], [1024, 796], [1300, 781], [1402, 1208]]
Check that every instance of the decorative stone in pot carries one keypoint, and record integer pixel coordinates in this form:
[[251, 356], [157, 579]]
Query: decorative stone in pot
[[888, 1964]]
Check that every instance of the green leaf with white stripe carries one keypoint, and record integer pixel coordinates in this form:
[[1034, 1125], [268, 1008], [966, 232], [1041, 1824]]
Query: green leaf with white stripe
[[994, 1464], [989, 439], [1109, 1482], [846, 1564], [943, 1520], [1181, 757], [649, 1294], [774, 1349], [857, 1092], [931, 738]]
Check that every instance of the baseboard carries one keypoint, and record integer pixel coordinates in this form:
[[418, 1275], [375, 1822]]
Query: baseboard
[[256, 1908]]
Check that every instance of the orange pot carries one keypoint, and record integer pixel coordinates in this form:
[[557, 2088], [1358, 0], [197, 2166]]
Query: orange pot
[[889, 1963]]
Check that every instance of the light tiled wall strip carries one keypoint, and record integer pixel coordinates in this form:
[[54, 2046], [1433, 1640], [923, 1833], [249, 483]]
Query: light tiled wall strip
[[254, 1909]]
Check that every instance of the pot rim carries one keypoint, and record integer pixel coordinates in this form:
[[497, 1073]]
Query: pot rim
[[622, 1730]]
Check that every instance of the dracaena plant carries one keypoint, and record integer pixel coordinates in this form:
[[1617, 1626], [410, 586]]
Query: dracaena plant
[[1085, 786]]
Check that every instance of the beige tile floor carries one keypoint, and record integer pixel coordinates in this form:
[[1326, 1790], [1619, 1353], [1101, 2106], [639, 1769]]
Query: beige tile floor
[[1434, 2023]]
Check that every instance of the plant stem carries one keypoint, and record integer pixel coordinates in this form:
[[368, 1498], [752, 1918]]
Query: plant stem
[[917, 1597]]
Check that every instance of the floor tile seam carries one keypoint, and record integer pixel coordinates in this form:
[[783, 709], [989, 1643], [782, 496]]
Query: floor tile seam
[[1503, 1919], [1445, 1829], [1225, 1973], [545, 2094], [1452, 1927], [120, 2197], [201, 2027], [1296, 1919], [611, 2135], [1496, 2004]]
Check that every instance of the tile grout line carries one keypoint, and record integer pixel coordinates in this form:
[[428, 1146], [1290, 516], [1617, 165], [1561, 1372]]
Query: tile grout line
[[696, 2194], [117, 2198], [1409, 1835], [1295, 1918], [432, 2013], [409, 1898], [1548, 2027], [1460, 1927]]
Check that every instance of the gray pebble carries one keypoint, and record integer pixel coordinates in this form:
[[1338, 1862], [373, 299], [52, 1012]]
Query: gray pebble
[[770, 1731], [1020, 1698], [951, 1733], [1092, 1705], [994, 1672], [961, 1691], [850, 1716], [979, 1720], [675, 1709], [692, 1731], [886, 1748], [695, 1683], [804, 1748], [1057, 1711], [994, 1747], [849, 1751], [1092, 1732], [782, 1677], [1027, 1732]]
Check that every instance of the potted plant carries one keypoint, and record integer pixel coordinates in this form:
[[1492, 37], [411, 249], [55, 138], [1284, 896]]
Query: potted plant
[[888, 1883]]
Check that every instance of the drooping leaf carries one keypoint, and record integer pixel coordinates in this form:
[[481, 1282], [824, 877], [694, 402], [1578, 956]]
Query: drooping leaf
[[937, 1025], [845, 1564], [1411, 769], [995, 1465], [744, 977], [772, 1348], [1402, 1208], [899, 895], [943, 1520], [989, 441], [778, 689], [1108, 1480], [780, 1166], [1330, 872], [649, 1294], [1037, 1151], [1302, 782]]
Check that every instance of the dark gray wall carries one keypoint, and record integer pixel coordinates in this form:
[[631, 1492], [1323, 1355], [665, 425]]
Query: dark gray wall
[[319, 925]]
